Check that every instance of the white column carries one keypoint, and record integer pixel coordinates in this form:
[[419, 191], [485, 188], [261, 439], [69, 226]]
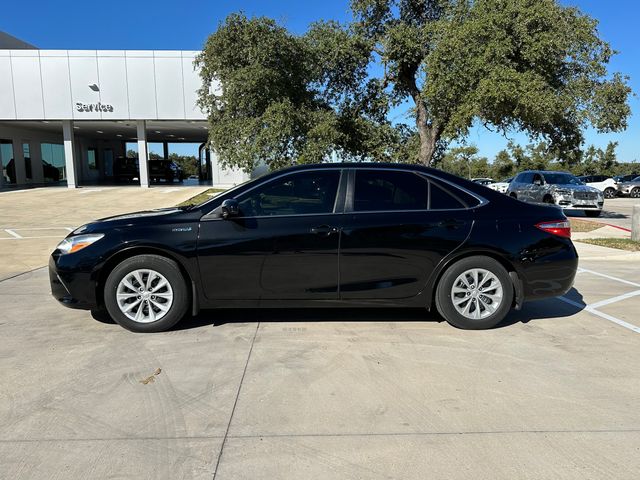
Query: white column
[[69, 153], [143, 153]]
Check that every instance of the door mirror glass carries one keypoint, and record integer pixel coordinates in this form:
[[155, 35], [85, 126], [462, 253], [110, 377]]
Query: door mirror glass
[[229, 208]]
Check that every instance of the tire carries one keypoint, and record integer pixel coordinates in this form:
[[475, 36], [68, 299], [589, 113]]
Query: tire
[[635, 193], [514, 196], [548, 199], [154, 315], [609, 192], [498, 277], [592, 213]]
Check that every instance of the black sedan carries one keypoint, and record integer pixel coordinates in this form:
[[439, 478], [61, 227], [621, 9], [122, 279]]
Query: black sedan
[[332, 235]]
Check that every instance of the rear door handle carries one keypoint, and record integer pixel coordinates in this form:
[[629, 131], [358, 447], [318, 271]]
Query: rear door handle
[[325, 230]]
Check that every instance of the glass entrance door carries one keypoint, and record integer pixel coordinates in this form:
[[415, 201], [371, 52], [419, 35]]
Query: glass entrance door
[[7, 163]]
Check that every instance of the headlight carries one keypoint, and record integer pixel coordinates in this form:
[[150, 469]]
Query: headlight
[[78, 242]]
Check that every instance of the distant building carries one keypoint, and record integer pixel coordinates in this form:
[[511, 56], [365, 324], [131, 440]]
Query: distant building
[[66, 116]]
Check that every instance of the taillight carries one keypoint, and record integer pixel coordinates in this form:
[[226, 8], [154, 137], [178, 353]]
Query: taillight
[[562, 228]]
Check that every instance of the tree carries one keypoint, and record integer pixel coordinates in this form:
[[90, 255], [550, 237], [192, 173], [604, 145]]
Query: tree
[[284, 99], [464, 162], [503, 166], [531, 65]]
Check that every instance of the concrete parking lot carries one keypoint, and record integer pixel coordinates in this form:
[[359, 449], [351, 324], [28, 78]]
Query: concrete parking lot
[[33, 221], [318, 394]]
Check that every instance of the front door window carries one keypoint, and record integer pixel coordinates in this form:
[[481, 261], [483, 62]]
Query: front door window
[[305, 193]]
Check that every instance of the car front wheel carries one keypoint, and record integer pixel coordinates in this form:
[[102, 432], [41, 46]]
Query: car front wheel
[[475, 293], [610, 192], [146, 293]]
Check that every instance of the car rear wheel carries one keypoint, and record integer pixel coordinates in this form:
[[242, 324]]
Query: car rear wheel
[[475, 293], [609, 192], [592, 213], [146, 293], [635, 193]]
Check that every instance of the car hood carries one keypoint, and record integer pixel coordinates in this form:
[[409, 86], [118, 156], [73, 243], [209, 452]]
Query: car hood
[[575, 188], [160, 215]]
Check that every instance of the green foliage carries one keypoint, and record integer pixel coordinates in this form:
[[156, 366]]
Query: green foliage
[[284, 99], [528, 65], [464, 161]]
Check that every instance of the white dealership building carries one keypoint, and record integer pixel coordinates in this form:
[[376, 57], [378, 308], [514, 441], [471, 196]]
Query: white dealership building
[[69, 116]]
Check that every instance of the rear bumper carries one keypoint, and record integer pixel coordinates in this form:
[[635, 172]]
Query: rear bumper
[[72, 289], [550, 275]]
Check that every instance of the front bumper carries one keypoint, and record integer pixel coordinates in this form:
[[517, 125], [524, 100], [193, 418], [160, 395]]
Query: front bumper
[[570, 203], [73, 289]]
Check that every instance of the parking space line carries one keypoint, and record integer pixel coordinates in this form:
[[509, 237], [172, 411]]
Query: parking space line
[[13, 234], [592, 308], [90, 190], [32, 238], [600, 314], [608, 276], [608, 301]]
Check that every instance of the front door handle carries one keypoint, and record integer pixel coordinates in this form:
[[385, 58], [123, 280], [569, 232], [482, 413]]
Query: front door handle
[[451, 223], [324, 230]]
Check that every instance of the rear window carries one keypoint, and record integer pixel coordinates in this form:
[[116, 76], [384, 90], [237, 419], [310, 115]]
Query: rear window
[[444, 196]]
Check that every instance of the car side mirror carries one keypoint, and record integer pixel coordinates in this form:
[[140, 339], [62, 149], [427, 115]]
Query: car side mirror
[[230, 208]]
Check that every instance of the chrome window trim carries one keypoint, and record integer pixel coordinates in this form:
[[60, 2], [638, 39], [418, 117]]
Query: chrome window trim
[[344, 172]]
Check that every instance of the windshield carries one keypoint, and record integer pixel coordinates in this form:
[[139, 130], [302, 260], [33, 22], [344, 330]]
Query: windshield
[[562, 179]]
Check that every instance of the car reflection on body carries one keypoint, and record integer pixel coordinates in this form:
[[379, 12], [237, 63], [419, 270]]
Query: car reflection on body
[[331, 235]]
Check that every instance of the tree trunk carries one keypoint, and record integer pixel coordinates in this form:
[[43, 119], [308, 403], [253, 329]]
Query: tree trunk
[[429, 135]]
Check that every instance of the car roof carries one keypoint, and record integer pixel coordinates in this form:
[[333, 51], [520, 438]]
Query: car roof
[[546, 171]]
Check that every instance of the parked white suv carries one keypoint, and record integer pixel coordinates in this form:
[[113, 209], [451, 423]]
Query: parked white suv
[[604, 183], [501, 186]]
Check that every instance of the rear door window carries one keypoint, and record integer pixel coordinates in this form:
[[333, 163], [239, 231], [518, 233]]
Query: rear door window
[[384, 190], [387, 190]]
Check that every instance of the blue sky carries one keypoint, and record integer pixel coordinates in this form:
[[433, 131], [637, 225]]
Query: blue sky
[[184, 25]]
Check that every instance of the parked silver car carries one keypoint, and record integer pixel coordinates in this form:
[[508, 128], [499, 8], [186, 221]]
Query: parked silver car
[[558, 188], [630, 188]]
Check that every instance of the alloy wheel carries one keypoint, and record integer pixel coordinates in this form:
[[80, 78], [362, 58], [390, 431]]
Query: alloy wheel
[[144, 296], [476, 293]]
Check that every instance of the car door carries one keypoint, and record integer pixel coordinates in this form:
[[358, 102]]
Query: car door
[[283, 244], [397, 227], [536, 189]]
